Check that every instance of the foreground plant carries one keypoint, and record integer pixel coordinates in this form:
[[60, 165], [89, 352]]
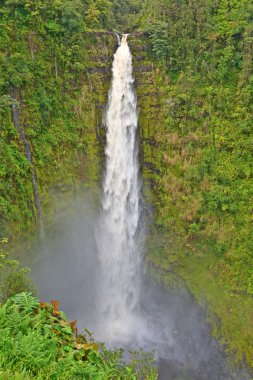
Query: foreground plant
[[13, 276], [38, 342]]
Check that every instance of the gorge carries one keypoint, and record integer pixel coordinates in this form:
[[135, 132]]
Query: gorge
[[184, 221], [110, 293]]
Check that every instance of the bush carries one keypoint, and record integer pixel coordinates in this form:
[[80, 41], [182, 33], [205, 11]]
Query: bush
[[13, 278], [38, 342]]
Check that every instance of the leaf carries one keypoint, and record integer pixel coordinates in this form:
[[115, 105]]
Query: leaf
[[66, 348], [55, 304], [56, 313], [67, 330], [53, 26], [87, 346], [25, 302], [73, 326], [43, 305]]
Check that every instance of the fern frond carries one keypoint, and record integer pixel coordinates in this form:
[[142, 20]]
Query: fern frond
[[25, 302]]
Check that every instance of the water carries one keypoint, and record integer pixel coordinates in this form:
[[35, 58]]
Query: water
[[97, 277], [166, 321], [119, 232]]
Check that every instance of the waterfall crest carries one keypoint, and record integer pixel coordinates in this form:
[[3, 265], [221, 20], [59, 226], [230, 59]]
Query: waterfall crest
[[119, 233]]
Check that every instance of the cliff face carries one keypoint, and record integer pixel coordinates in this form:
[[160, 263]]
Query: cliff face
[[191, 140], [202, 226], [61, 120], [150, 86]]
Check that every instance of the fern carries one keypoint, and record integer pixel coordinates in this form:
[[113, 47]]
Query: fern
[[38, 342], [25, 302]]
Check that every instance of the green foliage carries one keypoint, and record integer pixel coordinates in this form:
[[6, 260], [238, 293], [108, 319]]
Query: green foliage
[[126, 14], [38, 342], [159, 40], [13, 278], [203, 151], [203, 165], [200, 34], [205, 160], [41, 56], [44, 54], [25, 302]]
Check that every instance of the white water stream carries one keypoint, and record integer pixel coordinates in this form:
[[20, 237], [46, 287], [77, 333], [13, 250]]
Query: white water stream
[[119, 237], [99, 279]]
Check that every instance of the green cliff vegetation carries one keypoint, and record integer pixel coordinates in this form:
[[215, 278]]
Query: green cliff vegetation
[[194, 78], [204, 157], [43, 68], [48, 132], [38, 342]]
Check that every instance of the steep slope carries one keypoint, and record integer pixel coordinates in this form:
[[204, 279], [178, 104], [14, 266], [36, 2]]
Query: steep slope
[[193, 70], [204, 162]]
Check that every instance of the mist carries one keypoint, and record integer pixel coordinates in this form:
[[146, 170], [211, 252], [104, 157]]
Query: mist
[[167, 322]]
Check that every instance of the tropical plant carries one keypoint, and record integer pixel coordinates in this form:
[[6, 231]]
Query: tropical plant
[[37, 341]]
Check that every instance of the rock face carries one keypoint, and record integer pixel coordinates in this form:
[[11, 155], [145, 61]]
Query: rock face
[[80, 156], [150, 96]]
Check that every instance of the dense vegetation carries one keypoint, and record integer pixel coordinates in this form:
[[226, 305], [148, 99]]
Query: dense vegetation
[[203, 191], [13, 277], [205, 183], [38, 342], [43, 60]]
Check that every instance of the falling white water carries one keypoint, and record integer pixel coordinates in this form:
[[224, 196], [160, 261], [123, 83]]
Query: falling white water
[[118, 233], [126, 315]]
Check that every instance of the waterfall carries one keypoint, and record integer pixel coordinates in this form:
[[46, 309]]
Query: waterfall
[[119, 236]]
